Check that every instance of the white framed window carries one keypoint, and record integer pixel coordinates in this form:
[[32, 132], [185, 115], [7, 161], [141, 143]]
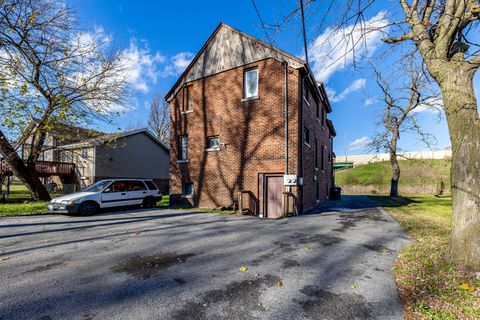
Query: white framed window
[[213, 143], [305, 92], [184, 148], [306, 136], [188, 104], [84, 153], [250, 84]]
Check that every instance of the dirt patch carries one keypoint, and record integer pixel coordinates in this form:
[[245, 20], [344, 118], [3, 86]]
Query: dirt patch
[[371, 214], [264, 257], [332, 306], [285, 247], [289, 263], [179, 281], [346, 224], [45, 267], [378, 248], [88, 316], [237, 301], [350, 220], [321, 239], [145, 267]]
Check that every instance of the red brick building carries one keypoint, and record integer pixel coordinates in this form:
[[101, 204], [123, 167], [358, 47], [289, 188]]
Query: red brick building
[[238, 112]]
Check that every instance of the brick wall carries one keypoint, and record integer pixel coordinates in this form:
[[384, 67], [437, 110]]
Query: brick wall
[[251, 135], [318, 130]]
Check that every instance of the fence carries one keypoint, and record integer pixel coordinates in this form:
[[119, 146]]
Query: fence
[[403, 190]]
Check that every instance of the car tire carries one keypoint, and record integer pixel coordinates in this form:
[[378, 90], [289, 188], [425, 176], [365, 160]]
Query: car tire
[[87, 208], [149, 202]]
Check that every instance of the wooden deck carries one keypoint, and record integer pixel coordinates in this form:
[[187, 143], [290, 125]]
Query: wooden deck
[[48, 168]]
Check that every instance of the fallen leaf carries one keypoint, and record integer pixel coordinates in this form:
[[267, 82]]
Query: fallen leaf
[[278, 284], [243, 268], [466, 287], [353, 286]]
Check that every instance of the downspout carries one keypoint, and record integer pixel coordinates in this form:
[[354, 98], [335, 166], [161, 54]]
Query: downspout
[[287, 188], [285, 64]]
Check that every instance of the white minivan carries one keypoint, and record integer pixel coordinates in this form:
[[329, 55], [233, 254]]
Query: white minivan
[[107, 194]]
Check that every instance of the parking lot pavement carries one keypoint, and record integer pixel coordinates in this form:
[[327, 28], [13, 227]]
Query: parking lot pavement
[[334, 263]]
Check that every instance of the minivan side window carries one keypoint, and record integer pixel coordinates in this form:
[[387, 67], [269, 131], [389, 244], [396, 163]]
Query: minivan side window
[[151, 185], [135, 185], [117, 186]]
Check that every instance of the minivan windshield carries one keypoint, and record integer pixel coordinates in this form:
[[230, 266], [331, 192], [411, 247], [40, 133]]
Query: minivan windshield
[[98, 186]]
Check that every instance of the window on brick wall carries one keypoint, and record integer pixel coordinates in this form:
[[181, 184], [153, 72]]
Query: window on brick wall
[[322, 159], [305, 92], [316, 153], [188, 98], [213, 143], [306, 136], [183, 144], [250, 83], [187, 189], [323, 116]]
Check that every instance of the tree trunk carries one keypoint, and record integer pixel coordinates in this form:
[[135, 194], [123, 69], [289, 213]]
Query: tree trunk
[[395, 175], [27, 175], [394, 162], [464, 127]]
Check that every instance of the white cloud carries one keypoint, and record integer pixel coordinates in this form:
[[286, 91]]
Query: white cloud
[[89, 41], [359, 144], [178, 63], [356, 85], [370, 101], [434, 105], [337, 48], [142, 66]]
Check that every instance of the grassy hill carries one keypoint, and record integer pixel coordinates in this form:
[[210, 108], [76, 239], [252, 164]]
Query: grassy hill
[[416, 175]]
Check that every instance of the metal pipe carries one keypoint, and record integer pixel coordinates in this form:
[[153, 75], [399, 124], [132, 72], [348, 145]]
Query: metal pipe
[[285, 64]]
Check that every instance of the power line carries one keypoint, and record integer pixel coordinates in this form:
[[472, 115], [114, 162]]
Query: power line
[[261, 21], [304, 33]]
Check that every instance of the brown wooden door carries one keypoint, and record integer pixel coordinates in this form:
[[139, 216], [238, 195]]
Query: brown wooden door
[[274, 188]]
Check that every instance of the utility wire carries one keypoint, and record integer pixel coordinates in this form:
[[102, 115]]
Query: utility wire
[[261, 21], [304, 33]]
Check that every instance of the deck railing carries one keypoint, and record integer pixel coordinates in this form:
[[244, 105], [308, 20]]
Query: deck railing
[[48, 168]]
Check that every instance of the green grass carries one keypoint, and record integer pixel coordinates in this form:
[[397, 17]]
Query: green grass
[[413, 172], [23, 209], [20, 204], [429, 287]]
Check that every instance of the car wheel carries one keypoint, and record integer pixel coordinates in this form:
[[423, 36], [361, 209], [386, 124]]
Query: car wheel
[[87, 208], [148, 202]]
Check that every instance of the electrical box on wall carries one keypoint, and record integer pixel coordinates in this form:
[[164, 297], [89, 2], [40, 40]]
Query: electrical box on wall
[[290, 179]]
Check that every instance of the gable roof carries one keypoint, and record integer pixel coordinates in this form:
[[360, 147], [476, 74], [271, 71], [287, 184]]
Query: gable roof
[[115, 136], [227, 48], [65, 133]]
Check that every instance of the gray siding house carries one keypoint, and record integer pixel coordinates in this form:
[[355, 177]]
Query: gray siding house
[[129, 154]]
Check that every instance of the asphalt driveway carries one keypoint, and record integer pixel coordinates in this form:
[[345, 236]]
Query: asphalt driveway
[[170, 264]]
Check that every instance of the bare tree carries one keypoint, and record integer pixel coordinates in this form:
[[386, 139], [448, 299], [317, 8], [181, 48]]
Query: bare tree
[[53, 74], [401, 102], [159, 120], [444, 33]]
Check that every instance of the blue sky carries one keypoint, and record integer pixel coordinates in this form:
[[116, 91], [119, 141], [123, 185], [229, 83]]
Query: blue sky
[[160, 37]]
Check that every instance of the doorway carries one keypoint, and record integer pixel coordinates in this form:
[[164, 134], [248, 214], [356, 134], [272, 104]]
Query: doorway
[[273, 196]]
